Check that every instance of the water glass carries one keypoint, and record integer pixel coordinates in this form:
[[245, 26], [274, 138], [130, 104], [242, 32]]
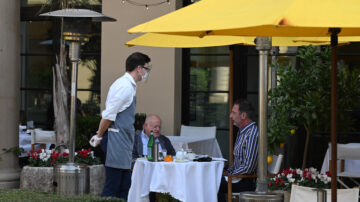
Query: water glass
[[163, 153]]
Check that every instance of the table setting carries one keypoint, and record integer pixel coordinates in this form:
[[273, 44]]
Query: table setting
[[186, 176]]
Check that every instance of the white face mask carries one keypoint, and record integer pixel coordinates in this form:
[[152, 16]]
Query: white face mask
[[144, 77]]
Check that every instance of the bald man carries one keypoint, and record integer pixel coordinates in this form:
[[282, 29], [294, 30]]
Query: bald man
[[152, 122]]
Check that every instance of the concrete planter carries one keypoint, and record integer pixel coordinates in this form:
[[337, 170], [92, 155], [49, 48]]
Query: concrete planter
[[37, 178], [96, 178], [41, 178]]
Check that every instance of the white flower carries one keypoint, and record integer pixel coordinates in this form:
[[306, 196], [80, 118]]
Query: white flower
[[92, 154], [289, 175], [291, 180], [299, 172], [313, 177]]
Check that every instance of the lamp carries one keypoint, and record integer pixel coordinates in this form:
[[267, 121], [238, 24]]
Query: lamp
[[77, 28], [71, 178]]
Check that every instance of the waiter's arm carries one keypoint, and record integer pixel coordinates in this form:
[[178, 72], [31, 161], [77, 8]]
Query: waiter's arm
[[103, 126]]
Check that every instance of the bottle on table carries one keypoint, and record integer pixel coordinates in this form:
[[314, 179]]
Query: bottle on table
[[150, 155]]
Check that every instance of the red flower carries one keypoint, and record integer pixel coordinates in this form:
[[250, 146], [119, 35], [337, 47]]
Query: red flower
[[269, 184], [65, 154], [282, 184], [39, 151], [328, 173], [309, 176]]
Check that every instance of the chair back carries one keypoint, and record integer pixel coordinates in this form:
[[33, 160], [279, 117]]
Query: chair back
[[300, 194], [347, 151], [198, 131], [275, 166], [39, 136]]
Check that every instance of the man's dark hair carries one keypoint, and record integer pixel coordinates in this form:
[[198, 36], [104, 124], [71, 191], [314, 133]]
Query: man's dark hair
[[245, 106], [135, 60]]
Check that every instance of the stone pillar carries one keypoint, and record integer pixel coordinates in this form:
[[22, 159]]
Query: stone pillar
[[9, 90]]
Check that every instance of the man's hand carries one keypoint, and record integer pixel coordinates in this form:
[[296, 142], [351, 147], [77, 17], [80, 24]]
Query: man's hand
[[95, 141]]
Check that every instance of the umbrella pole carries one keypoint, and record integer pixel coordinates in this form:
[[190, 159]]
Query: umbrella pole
[[263, 45], [334, 42]]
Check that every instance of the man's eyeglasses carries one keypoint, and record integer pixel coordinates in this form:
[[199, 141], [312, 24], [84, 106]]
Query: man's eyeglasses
[[148, 68]]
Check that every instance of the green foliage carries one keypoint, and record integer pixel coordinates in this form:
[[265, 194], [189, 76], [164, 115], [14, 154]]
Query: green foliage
[[86, 127], [10, 195], [16, 150], [200, 78], [302, 97], [166, 197]]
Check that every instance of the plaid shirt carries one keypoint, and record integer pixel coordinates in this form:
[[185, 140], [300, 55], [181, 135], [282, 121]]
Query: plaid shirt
[[246, 150]]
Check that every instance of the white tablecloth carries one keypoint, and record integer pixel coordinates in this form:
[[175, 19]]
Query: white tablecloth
[[24, 142], [185, 181], [350, 165], [199, 145]]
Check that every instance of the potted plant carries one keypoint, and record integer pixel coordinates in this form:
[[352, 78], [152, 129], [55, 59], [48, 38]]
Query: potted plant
[[39, 173], [308, 177]]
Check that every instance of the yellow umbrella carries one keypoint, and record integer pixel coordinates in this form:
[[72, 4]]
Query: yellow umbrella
[[180, 41], [259, 18], [268, 18]]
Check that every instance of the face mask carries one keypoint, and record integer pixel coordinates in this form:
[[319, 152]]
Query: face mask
[[144, 77]]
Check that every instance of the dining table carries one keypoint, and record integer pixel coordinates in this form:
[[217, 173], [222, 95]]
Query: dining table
[[184, 180], [198, 144]]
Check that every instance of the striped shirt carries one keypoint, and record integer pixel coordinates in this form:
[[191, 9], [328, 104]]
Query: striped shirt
[[246, 150]]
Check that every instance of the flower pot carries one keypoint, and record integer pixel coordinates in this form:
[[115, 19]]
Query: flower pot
[[37, 178], [96, 178]]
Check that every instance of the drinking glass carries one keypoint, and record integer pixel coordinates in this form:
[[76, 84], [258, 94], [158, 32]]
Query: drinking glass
[[163, 153]]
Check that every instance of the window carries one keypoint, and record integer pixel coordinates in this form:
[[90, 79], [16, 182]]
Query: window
[[39, 47]]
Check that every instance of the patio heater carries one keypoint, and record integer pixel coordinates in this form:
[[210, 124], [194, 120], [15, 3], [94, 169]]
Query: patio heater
[[72, 178]]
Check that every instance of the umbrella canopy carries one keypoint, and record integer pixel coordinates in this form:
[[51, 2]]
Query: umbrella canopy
[[179, 41], [259, 18]]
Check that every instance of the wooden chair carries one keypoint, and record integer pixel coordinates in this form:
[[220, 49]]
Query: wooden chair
[[273, 169], [43, 137], [347, 152]]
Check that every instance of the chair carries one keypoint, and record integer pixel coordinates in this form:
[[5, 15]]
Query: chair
[[300, 194], [198, 131], [39, 136], [273, 169], [347, 152]]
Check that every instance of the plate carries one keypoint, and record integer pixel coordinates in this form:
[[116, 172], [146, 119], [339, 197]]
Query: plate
[[181, 161]]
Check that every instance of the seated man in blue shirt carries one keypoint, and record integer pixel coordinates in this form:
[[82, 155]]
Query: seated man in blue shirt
[[245, 149], [152, 122]]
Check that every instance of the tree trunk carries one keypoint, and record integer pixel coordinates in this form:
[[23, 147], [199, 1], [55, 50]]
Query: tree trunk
[[306, 149], [60, 94]]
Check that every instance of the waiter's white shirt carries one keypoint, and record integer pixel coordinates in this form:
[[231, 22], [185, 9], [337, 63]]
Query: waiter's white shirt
[[120, 96]]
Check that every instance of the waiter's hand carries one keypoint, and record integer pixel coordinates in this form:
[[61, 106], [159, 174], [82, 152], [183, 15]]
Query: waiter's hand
[[95, 141]]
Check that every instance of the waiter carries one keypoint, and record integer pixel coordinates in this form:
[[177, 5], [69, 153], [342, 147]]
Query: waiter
[[116, 129]]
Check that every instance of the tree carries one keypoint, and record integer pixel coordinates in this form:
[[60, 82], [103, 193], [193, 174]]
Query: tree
[[302, 97]]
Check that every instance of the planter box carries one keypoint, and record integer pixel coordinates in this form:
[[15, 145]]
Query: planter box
[[41, 178], [97, 178], [37, 178]]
